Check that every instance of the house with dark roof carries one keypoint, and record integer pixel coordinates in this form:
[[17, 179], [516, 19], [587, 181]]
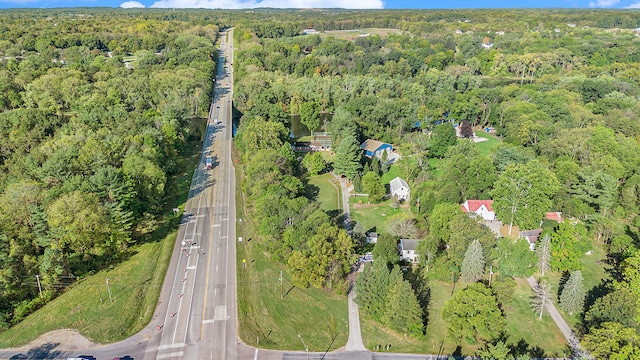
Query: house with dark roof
[[399, 188], [480, 208], [408, 249], [376, 148], [531, 236]]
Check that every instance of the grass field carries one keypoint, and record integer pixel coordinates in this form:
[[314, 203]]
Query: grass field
[[268, 321], [486, 147], [394, 171], [374, 215], [135, 286], [328, 192]]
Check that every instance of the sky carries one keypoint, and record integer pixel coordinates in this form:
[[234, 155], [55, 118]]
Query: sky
[[347, 4]]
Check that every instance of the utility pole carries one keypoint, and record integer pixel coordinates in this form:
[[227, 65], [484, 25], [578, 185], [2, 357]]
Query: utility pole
[[109, 290], [39, 287], [281, 290]]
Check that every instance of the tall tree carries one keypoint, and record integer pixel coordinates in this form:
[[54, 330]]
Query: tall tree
[[372, 185], [372, 287], [473, 264], [310, 115], [442, 137], [386, 250], [473, 314], [543, 251], [466, 131], [613, 341], [542, 298], [514, 258], [523, 193], [403, 312], [347, 161], [572, 296]]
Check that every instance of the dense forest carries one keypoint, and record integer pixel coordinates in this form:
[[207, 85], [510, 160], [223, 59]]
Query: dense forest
[[95, 113], [559, 88]]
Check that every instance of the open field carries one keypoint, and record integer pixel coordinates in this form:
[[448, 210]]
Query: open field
[[135, 286], [394, 171], [328, 192], [486, 147], [373, 215]]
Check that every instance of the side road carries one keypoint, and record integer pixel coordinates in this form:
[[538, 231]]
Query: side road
[[562, 324], [354, 343]]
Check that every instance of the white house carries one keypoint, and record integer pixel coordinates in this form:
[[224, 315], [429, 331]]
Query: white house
[[408, 250], [399, 188], [480, 208], [371, 238]]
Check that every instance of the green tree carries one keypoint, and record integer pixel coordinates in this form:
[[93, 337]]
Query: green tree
[[386, 250], [372, 287], [402, 225], [442, 137], [347, 161], [568, 243], [573, 293], [472, 268], [514, 258], [372, 185], [497, 351], [613, 341], [403, 312], [310, 115], [473, 314], [523, 193], [314, 163], [617, 306]]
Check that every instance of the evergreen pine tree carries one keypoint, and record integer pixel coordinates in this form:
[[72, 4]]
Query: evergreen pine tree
[[403, 312], [473, 264], [375, 165], [347, 160], [371, 289], [357, 183], [572, 297], [544, 254]]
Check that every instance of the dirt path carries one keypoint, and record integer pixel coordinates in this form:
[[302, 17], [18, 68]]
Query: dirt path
[[65, 340]]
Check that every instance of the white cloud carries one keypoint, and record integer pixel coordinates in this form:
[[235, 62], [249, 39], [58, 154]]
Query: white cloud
[[603, 3], [245, 4], [131, 4], [634, 6]]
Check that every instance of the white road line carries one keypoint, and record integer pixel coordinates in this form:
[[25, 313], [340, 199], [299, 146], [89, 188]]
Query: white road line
[[216, 268], [255, 356], [169, 355], [170, 346], [209, 321], [217, 225]]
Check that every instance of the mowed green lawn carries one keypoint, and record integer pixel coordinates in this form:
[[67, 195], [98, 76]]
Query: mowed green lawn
[[373, 215], [486, 147], [328, 192], [135, 286]]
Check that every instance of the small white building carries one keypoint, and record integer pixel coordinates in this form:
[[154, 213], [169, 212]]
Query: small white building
[[488, 45], [408, 250], [480, 208], [399, 188], [371, 238]]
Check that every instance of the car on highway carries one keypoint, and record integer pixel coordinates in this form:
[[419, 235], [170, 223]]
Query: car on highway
[[209, 163]]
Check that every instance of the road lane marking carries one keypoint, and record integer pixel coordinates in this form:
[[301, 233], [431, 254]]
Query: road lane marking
[[217, 225], [170, 346], [169, 355], [216, 268], [255, 356]]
